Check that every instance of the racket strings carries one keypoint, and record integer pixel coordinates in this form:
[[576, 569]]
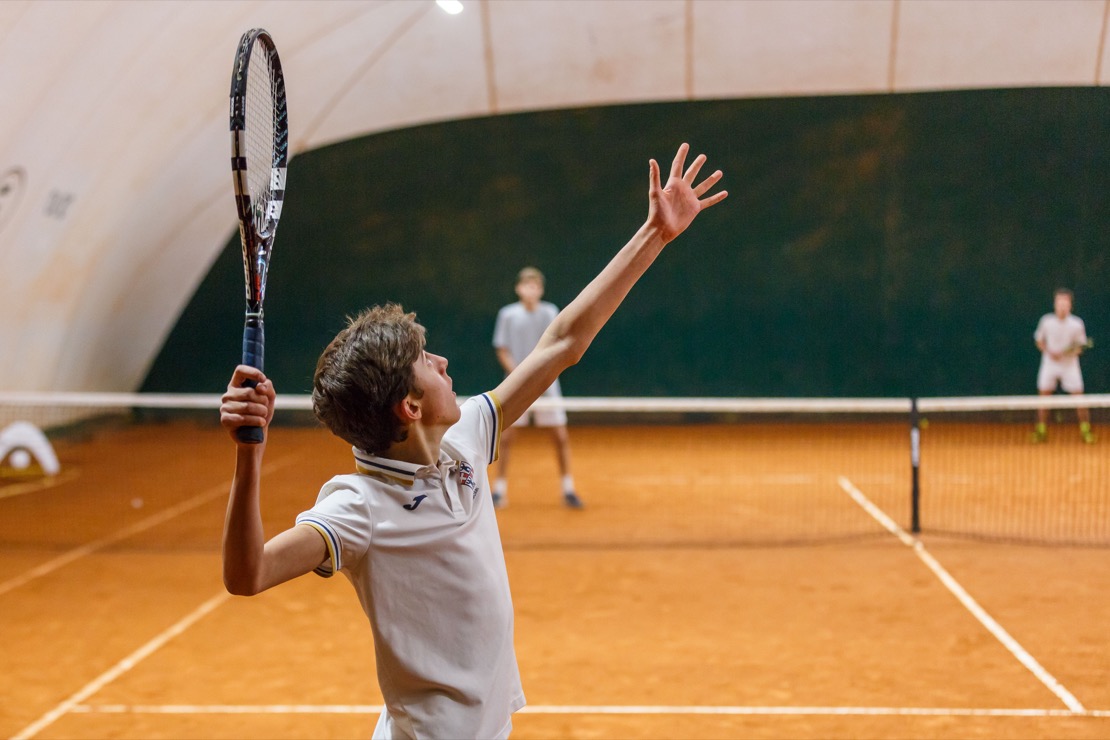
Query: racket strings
[[259, 131]]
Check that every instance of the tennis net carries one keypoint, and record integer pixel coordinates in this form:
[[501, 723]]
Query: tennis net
[[678, 472]]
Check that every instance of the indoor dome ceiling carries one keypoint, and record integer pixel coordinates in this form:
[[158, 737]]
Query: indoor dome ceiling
[[115, 193]]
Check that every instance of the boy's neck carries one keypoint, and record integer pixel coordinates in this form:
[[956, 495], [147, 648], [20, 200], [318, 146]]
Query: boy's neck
[[421, 447]]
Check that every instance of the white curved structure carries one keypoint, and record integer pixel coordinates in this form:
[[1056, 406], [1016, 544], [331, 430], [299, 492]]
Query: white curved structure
[[24, 439], [115, 192]]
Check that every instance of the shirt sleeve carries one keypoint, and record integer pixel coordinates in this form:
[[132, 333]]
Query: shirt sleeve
[[342, 517], [501, 330], [479, 427], [1039, 334]]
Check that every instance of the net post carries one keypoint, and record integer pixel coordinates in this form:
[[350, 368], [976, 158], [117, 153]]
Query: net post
[[915, 465]]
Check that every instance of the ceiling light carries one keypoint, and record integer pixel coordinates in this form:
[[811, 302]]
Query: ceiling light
[[454, 7]]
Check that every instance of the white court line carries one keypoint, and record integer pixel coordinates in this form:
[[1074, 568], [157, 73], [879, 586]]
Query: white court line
[[372, 709], [146, 650], [42, 484], [222, 489], [965, 598], [120, 668]]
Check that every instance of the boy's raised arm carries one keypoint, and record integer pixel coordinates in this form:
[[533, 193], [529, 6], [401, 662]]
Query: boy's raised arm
[[671, 208], [250, 563]]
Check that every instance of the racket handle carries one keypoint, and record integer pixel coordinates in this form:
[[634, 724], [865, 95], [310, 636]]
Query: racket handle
[[254, 344]]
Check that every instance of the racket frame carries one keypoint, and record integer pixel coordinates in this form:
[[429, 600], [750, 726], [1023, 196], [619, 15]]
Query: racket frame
[[257, 221]]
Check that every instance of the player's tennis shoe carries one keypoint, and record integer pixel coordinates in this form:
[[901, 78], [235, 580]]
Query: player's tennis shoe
[[1086, 434], [500, 500], [1040, 433], [570, 498]]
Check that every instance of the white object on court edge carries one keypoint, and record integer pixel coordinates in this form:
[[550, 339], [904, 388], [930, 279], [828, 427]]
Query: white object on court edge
[[20, 459], [24, 437]]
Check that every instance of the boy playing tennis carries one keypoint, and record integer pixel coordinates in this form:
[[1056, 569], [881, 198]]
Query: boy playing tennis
[[414, 528]]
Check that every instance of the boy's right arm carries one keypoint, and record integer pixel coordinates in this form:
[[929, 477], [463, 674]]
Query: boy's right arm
[[671, 209], [251, 564]]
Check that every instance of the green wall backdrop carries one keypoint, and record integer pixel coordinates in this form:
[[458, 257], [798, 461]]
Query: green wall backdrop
[[870, 246]]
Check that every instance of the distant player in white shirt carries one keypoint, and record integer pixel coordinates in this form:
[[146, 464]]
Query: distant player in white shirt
[[414, 528], [518, 330], [1061, 337]]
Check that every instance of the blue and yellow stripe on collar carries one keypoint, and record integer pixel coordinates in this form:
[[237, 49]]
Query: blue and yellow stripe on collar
[[396, 470]]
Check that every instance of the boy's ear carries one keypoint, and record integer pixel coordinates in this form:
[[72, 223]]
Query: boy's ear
[[407, 409]]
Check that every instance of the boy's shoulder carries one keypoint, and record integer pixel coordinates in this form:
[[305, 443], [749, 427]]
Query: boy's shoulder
[[475, 434]]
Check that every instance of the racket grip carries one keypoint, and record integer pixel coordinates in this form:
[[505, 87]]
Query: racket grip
[[254, 344]]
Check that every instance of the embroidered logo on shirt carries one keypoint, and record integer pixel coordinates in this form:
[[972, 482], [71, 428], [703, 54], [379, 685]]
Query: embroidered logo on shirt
[[415, 502], [466, 476]]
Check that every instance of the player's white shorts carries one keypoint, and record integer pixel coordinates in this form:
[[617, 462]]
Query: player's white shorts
[[544, 417], [384, 729], [387, 729], [1067, 374]]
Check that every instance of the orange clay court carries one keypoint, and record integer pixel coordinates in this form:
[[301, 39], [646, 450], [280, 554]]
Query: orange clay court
[[743, 580]]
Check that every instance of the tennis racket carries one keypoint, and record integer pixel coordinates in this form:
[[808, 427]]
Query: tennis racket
[[1077, 347], [259, 152]]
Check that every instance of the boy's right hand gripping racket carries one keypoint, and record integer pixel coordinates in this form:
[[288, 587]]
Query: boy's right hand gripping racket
[[259, 152]]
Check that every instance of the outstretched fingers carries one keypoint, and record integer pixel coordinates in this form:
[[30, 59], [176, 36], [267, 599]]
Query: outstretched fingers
[[713, 199], [694, 169], [679, 160], [708, 183], [673, 208], [691, 175]]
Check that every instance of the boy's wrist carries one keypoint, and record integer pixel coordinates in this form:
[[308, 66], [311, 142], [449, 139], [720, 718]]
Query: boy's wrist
[[652, 235], [249, 453]]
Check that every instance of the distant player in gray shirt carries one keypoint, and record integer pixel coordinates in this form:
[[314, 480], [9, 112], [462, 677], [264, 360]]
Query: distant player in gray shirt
[[518, 330]]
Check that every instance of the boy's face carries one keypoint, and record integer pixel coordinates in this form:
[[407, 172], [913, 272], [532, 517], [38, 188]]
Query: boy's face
[[439, 406], [1062, 304], [530, 291]]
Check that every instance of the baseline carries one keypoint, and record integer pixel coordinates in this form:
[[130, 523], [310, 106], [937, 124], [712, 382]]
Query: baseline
[[373, 709]]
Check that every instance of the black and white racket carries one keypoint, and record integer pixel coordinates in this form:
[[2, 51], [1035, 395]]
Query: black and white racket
[[259, 152]]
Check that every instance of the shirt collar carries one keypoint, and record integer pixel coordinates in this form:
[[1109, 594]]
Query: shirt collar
[[399, 470]]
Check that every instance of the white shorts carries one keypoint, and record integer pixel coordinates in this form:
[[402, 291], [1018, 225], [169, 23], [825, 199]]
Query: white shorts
[[386, 729], [1066, 374], [545, 417]]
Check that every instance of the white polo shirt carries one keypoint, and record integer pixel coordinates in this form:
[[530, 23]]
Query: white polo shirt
[[519, 330], [1060, 334], [422, 548]]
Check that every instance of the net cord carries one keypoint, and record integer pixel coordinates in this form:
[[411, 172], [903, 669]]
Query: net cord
[[602, 404]]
